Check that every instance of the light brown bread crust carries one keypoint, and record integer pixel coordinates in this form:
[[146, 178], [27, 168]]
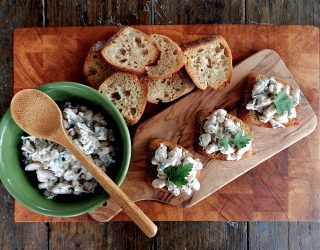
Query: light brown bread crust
[[168, 90], [171, 58], [189, 47], [252, 116], [151, 170], [138, 71], [95, 69], [138, 91], [144, 86], [201, 119]]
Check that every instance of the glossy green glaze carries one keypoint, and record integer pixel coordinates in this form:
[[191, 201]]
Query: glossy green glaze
[[11, 170]]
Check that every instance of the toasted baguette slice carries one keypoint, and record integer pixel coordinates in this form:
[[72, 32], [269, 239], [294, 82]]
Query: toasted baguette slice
[[151, 170], [130, 50], [201, 119], [171, 58], [127, 93], [167, 90], [96, 70], [252, 116], [209, 62]]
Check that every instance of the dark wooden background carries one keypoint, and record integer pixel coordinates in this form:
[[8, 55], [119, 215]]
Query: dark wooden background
[[125, 235]]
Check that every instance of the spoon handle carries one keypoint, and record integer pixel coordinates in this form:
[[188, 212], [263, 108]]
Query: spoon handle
[[132, 210]]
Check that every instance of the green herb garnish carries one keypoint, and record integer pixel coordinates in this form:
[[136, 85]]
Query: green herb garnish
[[225, 141], [283, 102], [178, 174], [241, 140]]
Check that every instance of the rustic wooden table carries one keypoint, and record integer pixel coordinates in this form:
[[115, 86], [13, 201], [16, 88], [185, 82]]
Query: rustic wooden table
[[125, 235]]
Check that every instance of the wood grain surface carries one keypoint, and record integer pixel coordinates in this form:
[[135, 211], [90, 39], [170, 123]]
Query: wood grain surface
[[274, 235], [201, 235], [177, 124], [223, 205]]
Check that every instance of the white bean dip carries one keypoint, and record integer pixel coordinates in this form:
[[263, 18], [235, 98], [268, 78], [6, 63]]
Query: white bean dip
[[165, 158], [58, 171], [217, 127], [264, 93]]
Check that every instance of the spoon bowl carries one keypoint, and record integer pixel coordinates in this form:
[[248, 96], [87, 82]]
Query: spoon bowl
[[36, 113]]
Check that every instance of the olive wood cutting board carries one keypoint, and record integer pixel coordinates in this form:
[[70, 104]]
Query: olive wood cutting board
[[284, 187], [177, 124]]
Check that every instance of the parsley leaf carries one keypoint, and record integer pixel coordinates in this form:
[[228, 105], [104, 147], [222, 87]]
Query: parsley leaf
[[178, 174], [225, 141], [283, 102], [241, 140]]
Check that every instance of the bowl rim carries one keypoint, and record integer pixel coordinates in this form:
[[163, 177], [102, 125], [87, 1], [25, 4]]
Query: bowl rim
[[121, 125]]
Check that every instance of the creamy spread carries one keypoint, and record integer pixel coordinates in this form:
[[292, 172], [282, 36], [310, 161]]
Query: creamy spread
[[224, 135], [265, 94], [175, 158], [58, 171]]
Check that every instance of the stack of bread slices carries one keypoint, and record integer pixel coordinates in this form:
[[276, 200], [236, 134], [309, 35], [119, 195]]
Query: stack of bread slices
[[133, 68]]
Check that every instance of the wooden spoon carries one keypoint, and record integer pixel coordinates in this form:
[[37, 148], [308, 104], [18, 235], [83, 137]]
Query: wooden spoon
[[38, 115]]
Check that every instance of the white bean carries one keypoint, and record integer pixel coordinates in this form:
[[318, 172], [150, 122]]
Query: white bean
[[211, 148], [286, 89], [187, 190], [204, 140], [88, 176], [276, 124], [161, 153], [175, 153], [158, 183], [221, 114], [76, 141], [70, 175], [79, 189], [282, 118], [195, 184], [62, 188], [89, 186], [66, 124], [296, 96], [46, 185], [259, 87], [57, 169], [209, 127], [71, 132], [88, 114], [82, 108], [45, 175], [33, 166], [270, 111]]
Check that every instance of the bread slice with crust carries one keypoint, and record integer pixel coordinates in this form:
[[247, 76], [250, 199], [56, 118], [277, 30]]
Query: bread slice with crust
[[130, 50], [95, 69], [127, 93], [209, 62], [171, 58], [167, 90], [201, 119], [252, 116], [154, 144]]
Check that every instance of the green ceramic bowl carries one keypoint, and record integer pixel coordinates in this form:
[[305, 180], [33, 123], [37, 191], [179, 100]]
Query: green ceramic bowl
[[23, 188]]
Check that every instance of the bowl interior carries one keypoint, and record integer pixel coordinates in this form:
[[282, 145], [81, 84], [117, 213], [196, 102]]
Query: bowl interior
[[20, 185]]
